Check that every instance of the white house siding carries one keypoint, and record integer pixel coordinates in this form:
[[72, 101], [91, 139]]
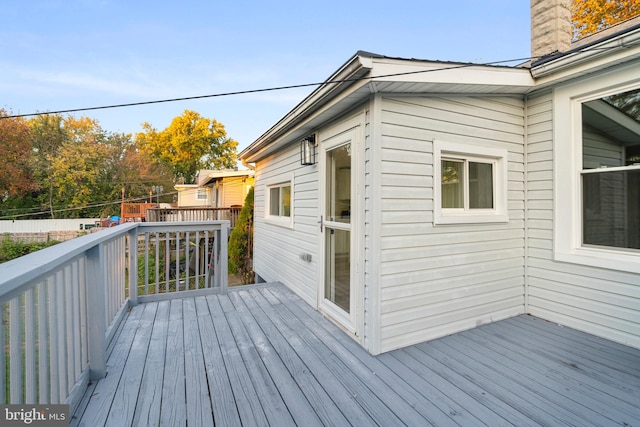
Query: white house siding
[[436, 280], [596, 300], [278, 249]]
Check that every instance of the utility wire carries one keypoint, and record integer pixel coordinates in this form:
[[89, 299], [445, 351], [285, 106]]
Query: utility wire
[[95, 205], [276, 88], [270, 89]]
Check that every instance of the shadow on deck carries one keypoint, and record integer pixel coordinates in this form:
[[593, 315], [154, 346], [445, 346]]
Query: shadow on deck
[[261, 356]]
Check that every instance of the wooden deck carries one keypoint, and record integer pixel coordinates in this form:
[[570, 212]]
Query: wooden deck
[[261, 356]]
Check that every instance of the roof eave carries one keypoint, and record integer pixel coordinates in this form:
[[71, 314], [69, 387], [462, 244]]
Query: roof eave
[[353, 70]]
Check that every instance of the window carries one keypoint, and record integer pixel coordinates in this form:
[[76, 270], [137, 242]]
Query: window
[[469, 184], [201, 194], [597, 174], [610, 175], [280, 200], [279, 203]]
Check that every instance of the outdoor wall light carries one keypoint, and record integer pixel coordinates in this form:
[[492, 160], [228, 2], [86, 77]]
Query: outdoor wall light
[[308, 151]]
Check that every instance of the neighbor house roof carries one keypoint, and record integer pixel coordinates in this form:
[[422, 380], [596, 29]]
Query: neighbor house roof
[[206, 176]]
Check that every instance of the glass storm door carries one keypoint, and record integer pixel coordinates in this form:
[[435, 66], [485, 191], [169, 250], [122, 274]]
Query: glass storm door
[[337, 232]]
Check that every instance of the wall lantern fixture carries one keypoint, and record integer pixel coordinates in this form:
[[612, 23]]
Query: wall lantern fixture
[[308, 151]]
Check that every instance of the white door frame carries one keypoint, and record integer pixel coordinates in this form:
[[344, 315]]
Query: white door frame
[[334, 137]]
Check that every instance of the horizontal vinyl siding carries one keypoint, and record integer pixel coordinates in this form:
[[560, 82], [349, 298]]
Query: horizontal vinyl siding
[[277, 249], [436, 280], [234, 191], [598, 301]]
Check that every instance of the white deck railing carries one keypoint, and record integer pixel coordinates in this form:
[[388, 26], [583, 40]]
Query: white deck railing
[[61, 306]]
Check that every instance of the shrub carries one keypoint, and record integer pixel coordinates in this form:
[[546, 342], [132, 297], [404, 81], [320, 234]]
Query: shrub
[[11, 249], [241, 242]]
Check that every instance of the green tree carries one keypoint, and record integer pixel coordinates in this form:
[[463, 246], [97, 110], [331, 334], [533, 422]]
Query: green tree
[[189, 144], [591, 16], [241, 242], [80, 169], [47, 136]]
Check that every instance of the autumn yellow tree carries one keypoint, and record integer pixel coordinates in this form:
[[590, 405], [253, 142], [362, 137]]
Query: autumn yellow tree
[[190, 143], [591, 16]]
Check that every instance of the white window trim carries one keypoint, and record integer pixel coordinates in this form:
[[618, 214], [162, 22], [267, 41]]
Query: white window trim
[[281, 221], [498, 157], [567, 146]]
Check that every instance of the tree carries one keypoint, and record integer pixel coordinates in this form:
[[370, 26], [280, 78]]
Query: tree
[[137, 172], [190, 143], [591, 16], [15, 150], [47, 136], [241, 242], [80, 169]]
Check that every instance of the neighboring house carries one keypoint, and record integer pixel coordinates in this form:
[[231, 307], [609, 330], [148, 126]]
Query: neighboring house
[[443, 196], [216, 189]]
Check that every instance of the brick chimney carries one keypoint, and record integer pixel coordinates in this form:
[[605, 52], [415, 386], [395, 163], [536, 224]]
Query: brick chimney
[[550, 27]]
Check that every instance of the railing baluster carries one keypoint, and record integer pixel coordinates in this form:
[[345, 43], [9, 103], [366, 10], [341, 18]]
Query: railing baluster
[[3, 357], [43, 341], [146, 263], [167, 261], [197, 263], [157, 248], [82, 288], [30, 346], [187, 242], [133, 267], [53, 340], [61, 344], [75, 304], [223, 270], [15, 350], [68, 298], [177, 261]]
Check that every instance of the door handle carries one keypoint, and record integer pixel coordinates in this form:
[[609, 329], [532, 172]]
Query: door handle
[[321, 222]]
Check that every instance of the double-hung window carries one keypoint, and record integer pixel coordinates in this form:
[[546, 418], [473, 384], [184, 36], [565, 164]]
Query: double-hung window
[[469, 184], [279, 203], [597, 172], [610, 174], [201, 194]]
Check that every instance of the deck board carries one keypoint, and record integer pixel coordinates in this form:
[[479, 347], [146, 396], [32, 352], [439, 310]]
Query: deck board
[[150, 394], [261, 356], [225, 411], [173, 406]]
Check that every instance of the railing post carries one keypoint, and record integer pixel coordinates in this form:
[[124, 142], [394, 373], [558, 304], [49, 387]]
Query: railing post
[[223, 270], [96, 325], [133, 267]]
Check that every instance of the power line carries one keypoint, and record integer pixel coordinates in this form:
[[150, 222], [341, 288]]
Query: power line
[[95, 205], [276, 88], [270, 89]]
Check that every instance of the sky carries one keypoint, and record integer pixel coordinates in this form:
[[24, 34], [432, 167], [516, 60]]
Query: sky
[[67, 54]]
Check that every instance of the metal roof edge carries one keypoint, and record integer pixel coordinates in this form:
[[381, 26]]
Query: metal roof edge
[[360, 63]]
